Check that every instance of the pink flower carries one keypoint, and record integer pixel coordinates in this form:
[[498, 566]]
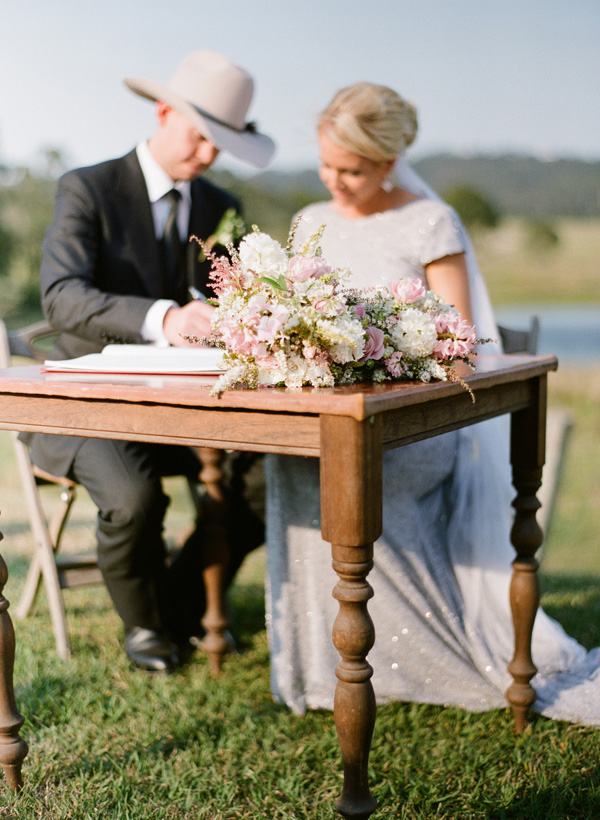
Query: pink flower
[[395, 365], [331, 307], [359, 310], [456, 337], [269, 362], [452, 349], [373, 348], [300, 268], [238, 339], [269, 325], [310, 351], [407, 290]]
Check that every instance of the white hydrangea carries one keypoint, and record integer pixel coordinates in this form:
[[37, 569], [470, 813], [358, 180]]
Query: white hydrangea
[[296, 371], [343, 337], [263, 255], [414, 334]]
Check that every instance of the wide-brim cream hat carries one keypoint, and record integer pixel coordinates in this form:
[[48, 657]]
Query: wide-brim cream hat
[[215, 95]]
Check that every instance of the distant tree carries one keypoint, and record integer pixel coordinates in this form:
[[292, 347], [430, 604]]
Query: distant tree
[[475, 210], [26, 207], [541, 234], [6, 250]]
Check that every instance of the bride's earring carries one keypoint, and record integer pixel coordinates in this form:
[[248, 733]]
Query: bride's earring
[[387, 185]]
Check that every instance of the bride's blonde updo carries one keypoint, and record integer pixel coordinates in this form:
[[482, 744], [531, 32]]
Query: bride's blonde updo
[[371, 121]]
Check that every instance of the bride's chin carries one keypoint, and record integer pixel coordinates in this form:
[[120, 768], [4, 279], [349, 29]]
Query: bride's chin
[[342, 199]]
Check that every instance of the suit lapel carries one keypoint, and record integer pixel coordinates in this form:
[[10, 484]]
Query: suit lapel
[[137, 214]]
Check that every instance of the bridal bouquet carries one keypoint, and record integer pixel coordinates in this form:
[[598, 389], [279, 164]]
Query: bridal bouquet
[[289, 318]]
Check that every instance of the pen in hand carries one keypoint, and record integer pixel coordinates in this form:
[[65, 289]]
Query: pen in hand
[[196, 294]]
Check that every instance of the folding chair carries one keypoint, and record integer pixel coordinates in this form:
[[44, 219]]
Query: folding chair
[[58, 572]]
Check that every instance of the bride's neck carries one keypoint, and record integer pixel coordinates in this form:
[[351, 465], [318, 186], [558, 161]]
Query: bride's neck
[[384, 201]]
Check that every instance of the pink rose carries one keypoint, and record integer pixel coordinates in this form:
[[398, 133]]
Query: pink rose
[[359, 310], [395, 366], [300, 268], [331, 307], [373, 348], [407, 290]]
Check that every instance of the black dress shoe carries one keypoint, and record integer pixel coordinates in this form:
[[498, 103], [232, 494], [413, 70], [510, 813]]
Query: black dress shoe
[[150, 650]]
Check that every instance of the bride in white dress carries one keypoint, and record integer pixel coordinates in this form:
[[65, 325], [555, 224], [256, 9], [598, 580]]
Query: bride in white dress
[[441, 611]]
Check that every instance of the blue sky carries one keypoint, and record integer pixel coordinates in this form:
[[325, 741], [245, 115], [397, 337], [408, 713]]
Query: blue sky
[[486, 75]]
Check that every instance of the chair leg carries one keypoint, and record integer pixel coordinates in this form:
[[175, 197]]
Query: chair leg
[[34, 576], [44, 559]]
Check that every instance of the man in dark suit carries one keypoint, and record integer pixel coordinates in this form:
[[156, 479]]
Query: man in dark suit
[[117, 267]]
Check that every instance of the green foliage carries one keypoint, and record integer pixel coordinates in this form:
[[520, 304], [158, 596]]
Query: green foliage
[[269, 200], [521, 185], [26, 208], [7, 243], [541, 234], [473, 208]]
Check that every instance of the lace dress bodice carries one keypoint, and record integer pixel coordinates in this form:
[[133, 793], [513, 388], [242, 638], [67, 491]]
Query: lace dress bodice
[[384, 246]]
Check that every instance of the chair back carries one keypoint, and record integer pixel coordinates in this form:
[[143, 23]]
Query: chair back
[[31, 342], [520, 341]]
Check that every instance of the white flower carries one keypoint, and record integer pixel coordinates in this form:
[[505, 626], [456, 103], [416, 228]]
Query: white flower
[[415, 333], [344, 338], [263, 255]]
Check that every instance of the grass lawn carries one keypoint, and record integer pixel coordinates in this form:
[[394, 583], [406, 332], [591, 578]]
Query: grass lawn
[[518, 271], [110, 742]]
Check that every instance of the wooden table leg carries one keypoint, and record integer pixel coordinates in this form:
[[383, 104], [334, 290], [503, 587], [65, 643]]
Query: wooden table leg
[[13, 749], [351, 485], [528, 437], [216, 558]]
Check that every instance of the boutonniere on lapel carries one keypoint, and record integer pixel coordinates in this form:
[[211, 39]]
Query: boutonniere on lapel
[[230, 229]]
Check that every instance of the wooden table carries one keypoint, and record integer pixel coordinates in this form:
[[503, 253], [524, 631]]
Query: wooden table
[[347, 428]]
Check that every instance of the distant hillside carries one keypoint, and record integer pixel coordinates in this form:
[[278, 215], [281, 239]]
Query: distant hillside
[[517, 185], [521, 185]]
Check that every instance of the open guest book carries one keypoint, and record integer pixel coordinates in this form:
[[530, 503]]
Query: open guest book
[[143, 359]]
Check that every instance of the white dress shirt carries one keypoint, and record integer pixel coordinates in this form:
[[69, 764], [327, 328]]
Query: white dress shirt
[[158, 183]]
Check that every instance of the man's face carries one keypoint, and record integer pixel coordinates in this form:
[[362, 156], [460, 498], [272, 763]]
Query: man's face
[[182, 151]]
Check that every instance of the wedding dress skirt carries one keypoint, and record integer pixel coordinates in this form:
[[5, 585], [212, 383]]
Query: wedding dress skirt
[[443, 628], [442, 567]]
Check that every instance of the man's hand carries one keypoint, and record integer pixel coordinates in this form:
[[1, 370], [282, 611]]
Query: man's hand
[[192, 319]]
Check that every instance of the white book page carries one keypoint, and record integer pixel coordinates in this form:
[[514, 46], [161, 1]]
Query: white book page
[[143, 359]]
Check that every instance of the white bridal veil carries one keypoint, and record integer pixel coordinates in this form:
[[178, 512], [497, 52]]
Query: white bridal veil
[[482, 307], [568, 679]]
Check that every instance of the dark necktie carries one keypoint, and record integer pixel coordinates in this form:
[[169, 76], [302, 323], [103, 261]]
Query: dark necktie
[[173, 251]]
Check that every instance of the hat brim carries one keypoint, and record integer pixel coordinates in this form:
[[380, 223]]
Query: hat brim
[[250, 146]]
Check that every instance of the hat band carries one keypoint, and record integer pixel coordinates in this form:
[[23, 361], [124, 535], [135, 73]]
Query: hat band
[[249, 128]]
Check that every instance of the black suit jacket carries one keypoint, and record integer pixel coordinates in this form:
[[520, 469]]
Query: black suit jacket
[[102, 268]]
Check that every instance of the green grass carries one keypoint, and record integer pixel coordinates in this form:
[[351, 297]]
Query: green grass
[[109, 742], [518, 272]]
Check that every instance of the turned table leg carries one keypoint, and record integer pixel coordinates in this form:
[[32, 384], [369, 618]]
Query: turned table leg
[[13, 749], [351, 484], [528, 435], [216, 558]]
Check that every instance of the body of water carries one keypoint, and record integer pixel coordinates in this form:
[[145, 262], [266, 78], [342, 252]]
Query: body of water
[[569, 332]]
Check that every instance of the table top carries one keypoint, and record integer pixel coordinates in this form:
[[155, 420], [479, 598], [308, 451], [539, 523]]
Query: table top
[[356, 401]]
